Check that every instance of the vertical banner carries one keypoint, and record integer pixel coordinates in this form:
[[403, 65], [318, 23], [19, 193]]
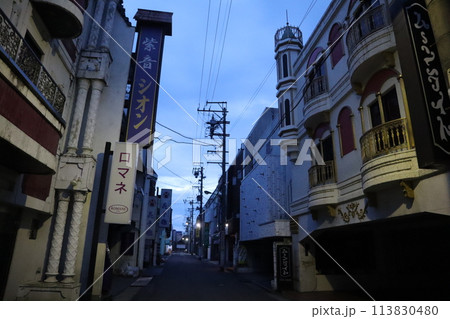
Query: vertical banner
[[151, 217], [283, 261], [165, 211], [145, 90], [431, 77], [119, 203]]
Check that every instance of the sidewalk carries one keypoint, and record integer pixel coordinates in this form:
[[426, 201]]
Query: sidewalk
[[124, 288], [265, 281]]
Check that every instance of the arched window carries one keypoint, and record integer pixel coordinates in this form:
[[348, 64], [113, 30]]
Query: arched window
[[337, 51], [316, 76], [324, 141], [346, 134], [384, 107], [285, 65], [287, 112]]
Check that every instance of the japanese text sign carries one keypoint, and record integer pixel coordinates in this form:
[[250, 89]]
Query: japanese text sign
[[165, 211], [144, 89], [119, 203]]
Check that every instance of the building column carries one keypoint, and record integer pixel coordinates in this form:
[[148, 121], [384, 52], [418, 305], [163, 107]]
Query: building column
[[109, 20], [72, 244], [83, 87], [98, 15], [97, 88], [58, 236]]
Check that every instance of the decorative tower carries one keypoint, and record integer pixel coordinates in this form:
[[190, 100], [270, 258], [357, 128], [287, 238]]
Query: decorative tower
[[288, 45]]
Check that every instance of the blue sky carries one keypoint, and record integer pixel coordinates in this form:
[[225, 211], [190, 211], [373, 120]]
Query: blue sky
[[236, 60]]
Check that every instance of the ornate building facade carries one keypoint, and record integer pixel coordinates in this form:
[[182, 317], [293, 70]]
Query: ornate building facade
[[370, 209], [63, 87]]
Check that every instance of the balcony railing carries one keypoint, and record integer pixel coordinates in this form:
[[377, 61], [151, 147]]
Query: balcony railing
[[385, 139], [18, 51], [315, 88], [370, 22], [322, 174]]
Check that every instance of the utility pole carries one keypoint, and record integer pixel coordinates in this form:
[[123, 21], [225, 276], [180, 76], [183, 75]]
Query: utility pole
[[221, 125], [190, 222], [198, 173]]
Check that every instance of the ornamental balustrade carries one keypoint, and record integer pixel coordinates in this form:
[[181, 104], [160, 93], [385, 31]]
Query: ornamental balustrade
[[17, 50], [371, 21], [385, 139], [322, 174]]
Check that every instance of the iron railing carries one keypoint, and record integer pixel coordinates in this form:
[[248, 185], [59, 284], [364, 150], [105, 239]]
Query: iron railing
[[19, 51], [384, 139], [370, 22], [315, 88]]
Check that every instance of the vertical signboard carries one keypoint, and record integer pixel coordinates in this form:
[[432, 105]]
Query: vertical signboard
[[424, 82], [151, 217], [432, 80], [145, 90], [283, 260], [165, 211], [119, 203]]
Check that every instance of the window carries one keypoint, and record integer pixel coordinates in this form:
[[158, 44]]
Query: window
[[316, 82], [33, 46], [285, 66], [337, 51], [389, 107], [346, 133], [287, 112], [324, 141]]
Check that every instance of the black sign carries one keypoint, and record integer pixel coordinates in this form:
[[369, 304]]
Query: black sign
[[284, 263], [432, 80]]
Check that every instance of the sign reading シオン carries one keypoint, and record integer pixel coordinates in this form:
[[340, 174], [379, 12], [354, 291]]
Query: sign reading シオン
[[119, 203]]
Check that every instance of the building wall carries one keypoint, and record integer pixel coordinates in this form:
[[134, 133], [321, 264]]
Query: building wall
[[362, 192], [259, 213], [36, 205], [32, 195]]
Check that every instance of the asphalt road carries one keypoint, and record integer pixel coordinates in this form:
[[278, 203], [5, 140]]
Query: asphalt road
[[186, 278]]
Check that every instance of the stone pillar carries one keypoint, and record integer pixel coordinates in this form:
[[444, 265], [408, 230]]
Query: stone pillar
[[72, 244], [109, 21], [97, 88], [83, 87], [58, 236], [95, 29]]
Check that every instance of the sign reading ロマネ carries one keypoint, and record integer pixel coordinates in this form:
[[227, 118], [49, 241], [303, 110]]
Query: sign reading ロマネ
[[119, 203]]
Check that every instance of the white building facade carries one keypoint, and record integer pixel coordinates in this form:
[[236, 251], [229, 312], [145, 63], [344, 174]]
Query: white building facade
[[262, 221], [369, 217]]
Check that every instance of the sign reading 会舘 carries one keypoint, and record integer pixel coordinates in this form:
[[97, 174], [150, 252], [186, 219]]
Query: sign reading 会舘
[[119, 203]]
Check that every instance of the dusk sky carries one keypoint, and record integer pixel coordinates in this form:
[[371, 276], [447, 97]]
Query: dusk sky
[[228, 58]]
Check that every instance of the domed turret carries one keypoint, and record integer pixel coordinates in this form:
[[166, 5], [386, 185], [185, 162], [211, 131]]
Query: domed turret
[[288, 34], [288, 46]]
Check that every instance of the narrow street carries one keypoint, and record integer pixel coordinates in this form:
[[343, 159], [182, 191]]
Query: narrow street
[[186, 278]]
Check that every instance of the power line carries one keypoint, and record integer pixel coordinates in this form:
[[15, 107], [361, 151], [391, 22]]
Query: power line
[[259, 88], [182, 135], [213, 52], [223, 46], [204, 52]]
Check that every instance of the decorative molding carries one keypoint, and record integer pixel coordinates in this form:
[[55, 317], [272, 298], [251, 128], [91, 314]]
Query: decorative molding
[[353, 211], [408, 191]]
